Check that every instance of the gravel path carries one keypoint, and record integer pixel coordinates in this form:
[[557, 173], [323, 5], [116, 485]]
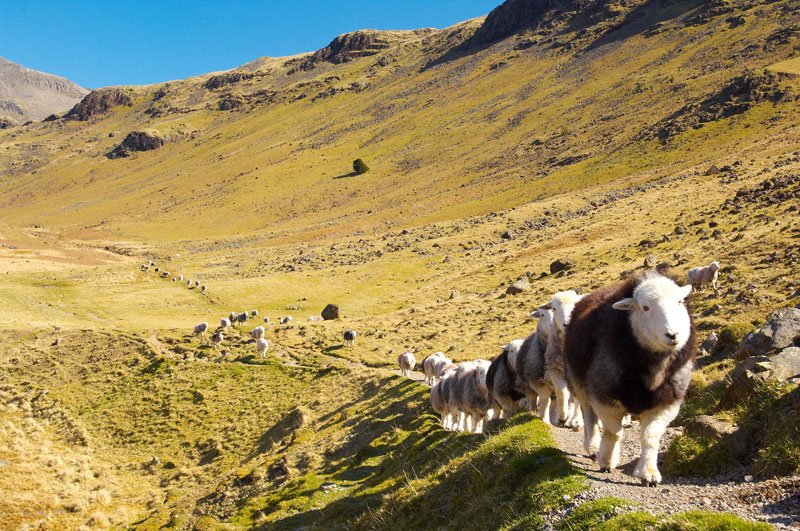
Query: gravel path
[[776, 501]]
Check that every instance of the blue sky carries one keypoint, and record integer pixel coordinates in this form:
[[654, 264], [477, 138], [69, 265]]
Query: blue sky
[[113, 42]]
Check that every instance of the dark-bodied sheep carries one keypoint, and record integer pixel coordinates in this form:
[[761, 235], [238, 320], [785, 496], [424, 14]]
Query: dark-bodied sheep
[[217, 338], [253, 313], [350, 338], [242, 318], [472, 395], [407, 362], [630, 348], [501, 380]]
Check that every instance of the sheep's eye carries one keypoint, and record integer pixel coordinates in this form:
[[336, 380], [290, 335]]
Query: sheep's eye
[[646, 308]]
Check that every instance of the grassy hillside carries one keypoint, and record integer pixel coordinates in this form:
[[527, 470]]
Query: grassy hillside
[[603, 134]]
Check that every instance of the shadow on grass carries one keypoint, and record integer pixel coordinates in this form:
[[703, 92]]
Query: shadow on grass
[[347, 175]]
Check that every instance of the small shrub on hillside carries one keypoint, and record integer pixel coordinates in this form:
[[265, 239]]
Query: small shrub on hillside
[[729, 338], [359, 166]]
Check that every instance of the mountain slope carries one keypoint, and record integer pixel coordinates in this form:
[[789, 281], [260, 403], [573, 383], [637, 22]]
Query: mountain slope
[[26, 94]]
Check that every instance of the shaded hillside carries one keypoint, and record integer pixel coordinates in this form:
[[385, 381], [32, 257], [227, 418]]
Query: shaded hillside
[[26, 94]]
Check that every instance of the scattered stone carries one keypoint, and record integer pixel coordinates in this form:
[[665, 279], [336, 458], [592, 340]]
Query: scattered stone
[[519, 286], [710, 342], [454, 295], [781, 330], [680, 229], [562, 264], [507, 235], [330, 312], [712, 170], [136, 141], [650, 261]]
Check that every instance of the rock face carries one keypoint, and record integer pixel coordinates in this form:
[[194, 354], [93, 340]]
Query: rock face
[[754, 371], [136, 141], [26, 94], [330, 312], [562, 264], [351, 46], [229, 78], [714, 429], [98, 102], [781, 330], [519, 286]]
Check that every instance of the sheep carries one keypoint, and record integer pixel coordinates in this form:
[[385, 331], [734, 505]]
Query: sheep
[[698, 277], [406, 361], [203, 288], [442, 366], [164, 274], [630, 348], [232, 318], [189, 282], [216, 339], [156, 270], [286, 320], [200, 329], [568, 413], [197, 283], [429, 366], [242, 318], [531, 378], [472, 395], [143, 267], [257, 332], [174, 279], [151, 263], [180, 278], [262, 345], [504, 394], [253, 313], [224, 323], [350, 338], [441, 393], [267, 320]]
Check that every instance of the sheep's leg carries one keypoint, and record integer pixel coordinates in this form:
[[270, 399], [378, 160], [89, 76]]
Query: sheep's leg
[[653, 424], [461, 421], [562, 396], [608, 454], [467, 426], [576, 420], [553, 411], [544, 403], [591, 430]]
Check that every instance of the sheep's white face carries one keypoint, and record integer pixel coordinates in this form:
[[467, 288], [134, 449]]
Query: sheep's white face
[[658, 314], [513, 347], [480, 374], [715, 266], [562, 304]]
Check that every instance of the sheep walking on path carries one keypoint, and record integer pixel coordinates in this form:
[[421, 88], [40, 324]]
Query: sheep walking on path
[[562, 305], [698, 277], [630, 348], [429, 366], [406, 361]]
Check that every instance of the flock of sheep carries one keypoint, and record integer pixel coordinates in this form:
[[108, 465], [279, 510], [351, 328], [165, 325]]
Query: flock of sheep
[[191, 284], [593, 360]]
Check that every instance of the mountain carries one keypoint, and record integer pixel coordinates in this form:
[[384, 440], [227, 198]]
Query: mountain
[[26, 94]]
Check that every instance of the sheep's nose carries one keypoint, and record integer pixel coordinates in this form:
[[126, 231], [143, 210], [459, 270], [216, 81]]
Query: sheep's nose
[[671, 336]]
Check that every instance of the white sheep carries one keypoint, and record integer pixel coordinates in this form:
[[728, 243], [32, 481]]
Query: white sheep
[[257, 332], [429, 366], [698, 277], [568, 412], [472, 395], [406, 361], [286, 320], [224, 323], [200, 329], [180, 277], [441, 393], [645, 319], [262, 345], [530, 366]]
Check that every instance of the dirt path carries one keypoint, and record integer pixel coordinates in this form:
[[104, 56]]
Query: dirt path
[[775, 501]]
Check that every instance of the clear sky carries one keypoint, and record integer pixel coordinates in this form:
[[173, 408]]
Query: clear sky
[[127, 42]]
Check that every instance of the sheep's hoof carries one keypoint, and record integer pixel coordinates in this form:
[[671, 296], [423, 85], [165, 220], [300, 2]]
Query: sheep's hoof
[[605, 469], [649, 483]]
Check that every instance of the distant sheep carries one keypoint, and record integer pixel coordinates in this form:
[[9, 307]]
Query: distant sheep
[[197, 283], [262, 345], [216, 339], [257, 332], [144, 267], [189, 282], [232, 318], [253, 313], [151, 263], [267, 320], [174, 279], [224, 323], [156, 270], [286, 320], [242, 318], [630, 348], [350, 338], [180, 277], [203, 288], [200, 329], [698, 277], [406, 361]]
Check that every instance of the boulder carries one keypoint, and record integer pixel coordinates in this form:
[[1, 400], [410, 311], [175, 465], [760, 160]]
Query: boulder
[[519, 286], [724, 432], [136, 141], [744, 379], [786, 364], [330, 312], [507, 235], [710, 342], [781, 330], [562, 264], [650, 261]]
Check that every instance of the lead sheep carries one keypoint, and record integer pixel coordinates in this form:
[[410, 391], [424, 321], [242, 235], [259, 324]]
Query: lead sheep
[[407, 362], [698, 277], [501, 381], [350, 338], [630, 348], [257, 332], [200, 329], [262, 345]]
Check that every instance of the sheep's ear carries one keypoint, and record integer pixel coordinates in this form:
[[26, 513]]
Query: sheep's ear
[[686, 290], [548, 306], [625, 304]]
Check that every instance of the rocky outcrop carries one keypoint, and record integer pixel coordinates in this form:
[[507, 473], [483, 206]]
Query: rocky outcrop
[[781, 330], [736, 97], [97, 103], [519, 286], [229, 78], [136, 141], [26, 94], [562, 264], [330, 312]]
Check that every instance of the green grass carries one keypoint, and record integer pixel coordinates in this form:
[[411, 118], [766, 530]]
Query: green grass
[[692, 520]]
